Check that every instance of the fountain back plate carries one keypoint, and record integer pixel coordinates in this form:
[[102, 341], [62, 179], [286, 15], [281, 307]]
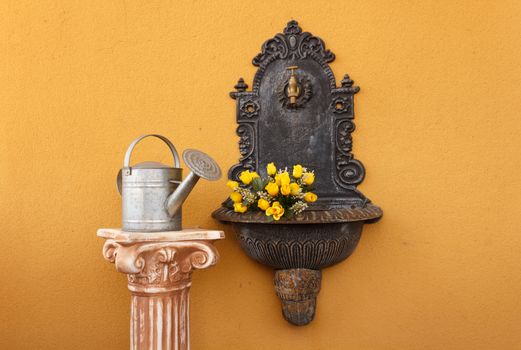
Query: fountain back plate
[[315, 131]]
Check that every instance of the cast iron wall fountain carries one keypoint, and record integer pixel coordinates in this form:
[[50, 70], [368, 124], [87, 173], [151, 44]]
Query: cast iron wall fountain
[[295, 112]]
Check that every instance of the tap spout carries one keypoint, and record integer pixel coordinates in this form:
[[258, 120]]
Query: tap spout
[[293, 89]]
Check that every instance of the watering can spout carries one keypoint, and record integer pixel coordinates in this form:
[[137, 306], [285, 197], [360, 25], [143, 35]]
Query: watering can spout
[[201, 165], [176, 199]]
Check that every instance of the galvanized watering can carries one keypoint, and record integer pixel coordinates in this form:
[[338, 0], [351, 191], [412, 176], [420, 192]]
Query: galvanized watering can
[[153, 193]]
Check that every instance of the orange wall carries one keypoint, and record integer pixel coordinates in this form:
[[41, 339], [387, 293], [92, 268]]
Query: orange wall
[[439, 131]]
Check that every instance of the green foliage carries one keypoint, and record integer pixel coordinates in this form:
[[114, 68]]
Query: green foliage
[[258, 184]]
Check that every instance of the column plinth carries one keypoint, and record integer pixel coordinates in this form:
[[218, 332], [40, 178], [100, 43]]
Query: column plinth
[[159, 269]]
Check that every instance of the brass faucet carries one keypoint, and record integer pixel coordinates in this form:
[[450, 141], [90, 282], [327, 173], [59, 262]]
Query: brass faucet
[[293, 90]]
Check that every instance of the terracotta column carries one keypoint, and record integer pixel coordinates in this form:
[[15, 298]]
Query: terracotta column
[[159, 266]]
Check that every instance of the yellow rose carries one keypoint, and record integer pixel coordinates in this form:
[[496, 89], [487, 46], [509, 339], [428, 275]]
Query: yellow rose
[[310, 197], [284, 179], [276, 210], [272, 170], [285, 190], [236, 197], [297, 171], [246, 177], [232, 184], [272, 189], [254, 175], [277, 179], [239, 208], [294, 189], [263, 204], [308, 178]]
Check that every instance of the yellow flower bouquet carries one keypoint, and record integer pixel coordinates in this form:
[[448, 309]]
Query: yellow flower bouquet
[[278, 195]]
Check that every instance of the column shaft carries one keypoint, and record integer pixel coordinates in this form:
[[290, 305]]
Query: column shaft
[[160, 321]]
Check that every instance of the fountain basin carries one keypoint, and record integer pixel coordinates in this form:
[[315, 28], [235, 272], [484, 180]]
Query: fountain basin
[[299, 248]]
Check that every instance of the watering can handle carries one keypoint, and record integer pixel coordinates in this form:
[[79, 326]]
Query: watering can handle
[[126, 162]]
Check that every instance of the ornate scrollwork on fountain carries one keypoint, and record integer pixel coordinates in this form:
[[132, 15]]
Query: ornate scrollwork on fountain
[[341, 105], [249, 109], [248, 161], [349, 171], [293, 44]]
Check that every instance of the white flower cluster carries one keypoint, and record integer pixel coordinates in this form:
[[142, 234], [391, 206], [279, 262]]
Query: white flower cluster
[[298, 207], [248, 197], [264, 195]]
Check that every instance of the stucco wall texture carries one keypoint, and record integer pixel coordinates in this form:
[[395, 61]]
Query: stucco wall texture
[[438, 129]]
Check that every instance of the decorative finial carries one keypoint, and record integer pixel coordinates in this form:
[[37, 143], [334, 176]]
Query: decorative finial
[[347, 83], [292, 28], [241, 86]]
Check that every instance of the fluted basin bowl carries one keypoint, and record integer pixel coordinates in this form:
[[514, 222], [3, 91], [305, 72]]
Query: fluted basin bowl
[[299, 248], [306, 246]]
